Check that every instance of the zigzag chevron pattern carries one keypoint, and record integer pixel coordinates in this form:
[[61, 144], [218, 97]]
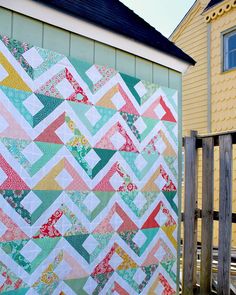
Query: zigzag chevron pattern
[[88, 178]]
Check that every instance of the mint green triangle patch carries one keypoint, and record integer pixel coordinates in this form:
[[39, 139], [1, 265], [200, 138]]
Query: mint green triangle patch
[[104, 198], [103, 240], [49, 105], [130, 119], [147, 235], [50, 58], [128, 275], [131, 82], [76, 227], [13, 250], [101, 201], [76, 242], [141, 206], [77, 285], [170, 198], [105, 156], [134, 159], [47, 198], [151, 88], [81, 68], [150, 234], [94, 118], [17, 97], [150, 124], [11, 45], [21, 291], [79, 152], [47, 245], [16, 148], [170, 126], [171, 162], [167, 265], [14, 199], [49, 150]]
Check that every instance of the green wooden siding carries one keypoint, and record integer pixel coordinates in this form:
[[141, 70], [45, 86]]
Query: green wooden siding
[[27, 29], [23, 30], [82, 48], [56, 39]]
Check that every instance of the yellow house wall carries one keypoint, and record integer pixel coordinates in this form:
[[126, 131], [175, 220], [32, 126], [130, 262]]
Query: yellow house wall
[[223, 84], [223, 98], [192, 38]]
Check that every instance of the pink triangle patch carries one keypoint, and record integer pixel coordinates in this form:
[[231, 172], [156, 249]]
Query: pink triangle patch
[[159, 110], [117, 139], [76, 269], [105, 226], [49, 135], [9, 179], [128, 224], [77, 182], [128, 107], [11, 230], [9, 126], [106, 184]]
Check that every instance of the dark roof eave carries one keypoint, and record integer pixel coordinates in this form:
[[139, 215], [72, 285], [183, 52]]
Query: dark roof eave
[[212, 4], [104, 14]]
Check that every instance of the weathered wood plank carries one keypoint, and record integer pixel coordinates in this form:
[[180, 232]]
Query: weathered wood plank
[[190, 222], [207, 215], [225, 215]]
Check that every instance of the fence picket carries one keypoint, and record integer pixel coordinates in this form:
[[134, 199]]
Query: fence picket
[[207, 215], [190, 224], [225, 215]]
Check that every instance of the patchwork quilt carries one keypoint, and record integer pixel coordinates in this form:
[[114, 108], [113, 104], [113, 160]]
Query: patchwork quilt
[[88, 177]]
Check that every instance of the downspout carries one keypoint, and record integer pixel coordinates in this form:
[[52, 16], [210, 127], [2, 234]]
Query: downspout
[[209, 78]]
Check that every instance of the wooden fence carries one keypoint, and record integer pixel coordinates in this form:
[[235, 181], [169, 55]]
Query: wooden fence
[[192, 213]]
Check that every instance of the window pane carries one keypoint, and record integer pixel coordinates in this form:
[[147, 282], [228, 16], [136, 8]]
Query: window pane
[[230, 50], [232, 59], [232, 42]]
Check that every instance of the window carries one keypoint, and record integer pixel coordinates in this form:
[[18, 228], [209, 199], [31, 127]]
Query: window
[[230, 50]]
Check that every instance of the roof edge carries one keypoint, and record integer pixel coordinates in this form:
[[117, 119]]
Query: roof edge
[[185, 17], [100, 34], [207, 8]]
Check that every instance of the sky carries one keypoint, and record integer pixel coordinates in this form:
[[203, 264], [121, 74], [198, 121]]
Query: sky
[[164, 15]]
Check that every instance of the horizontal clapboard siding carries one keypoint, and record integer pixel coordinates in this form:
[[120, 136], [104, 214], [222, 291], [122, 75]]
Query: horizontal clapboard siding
[[30, 30]]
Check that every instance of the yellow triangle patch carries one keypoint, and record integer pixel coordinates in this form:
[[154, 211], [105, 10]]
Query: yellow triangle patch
[[127, 261], [150, 186], [106, 100], [11, 78], [49, 181]]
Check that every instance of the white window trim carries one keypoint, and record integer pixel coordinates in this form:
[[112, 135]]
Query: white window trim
[[74, 24]]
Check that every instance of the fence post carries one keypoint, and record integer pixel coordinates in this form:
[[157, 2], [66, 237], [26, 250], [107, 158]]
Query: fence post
[[207, 214], [225, 214], [190, 221]]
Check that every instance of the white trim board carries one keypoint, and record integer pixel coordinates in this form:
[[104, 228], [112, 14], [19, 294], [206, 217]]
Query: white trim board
[[74, 24]]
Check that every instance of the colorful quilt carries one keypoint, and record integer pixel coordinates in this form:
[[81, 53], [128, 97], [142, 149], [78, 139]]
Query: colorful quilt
[[88, 178]]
